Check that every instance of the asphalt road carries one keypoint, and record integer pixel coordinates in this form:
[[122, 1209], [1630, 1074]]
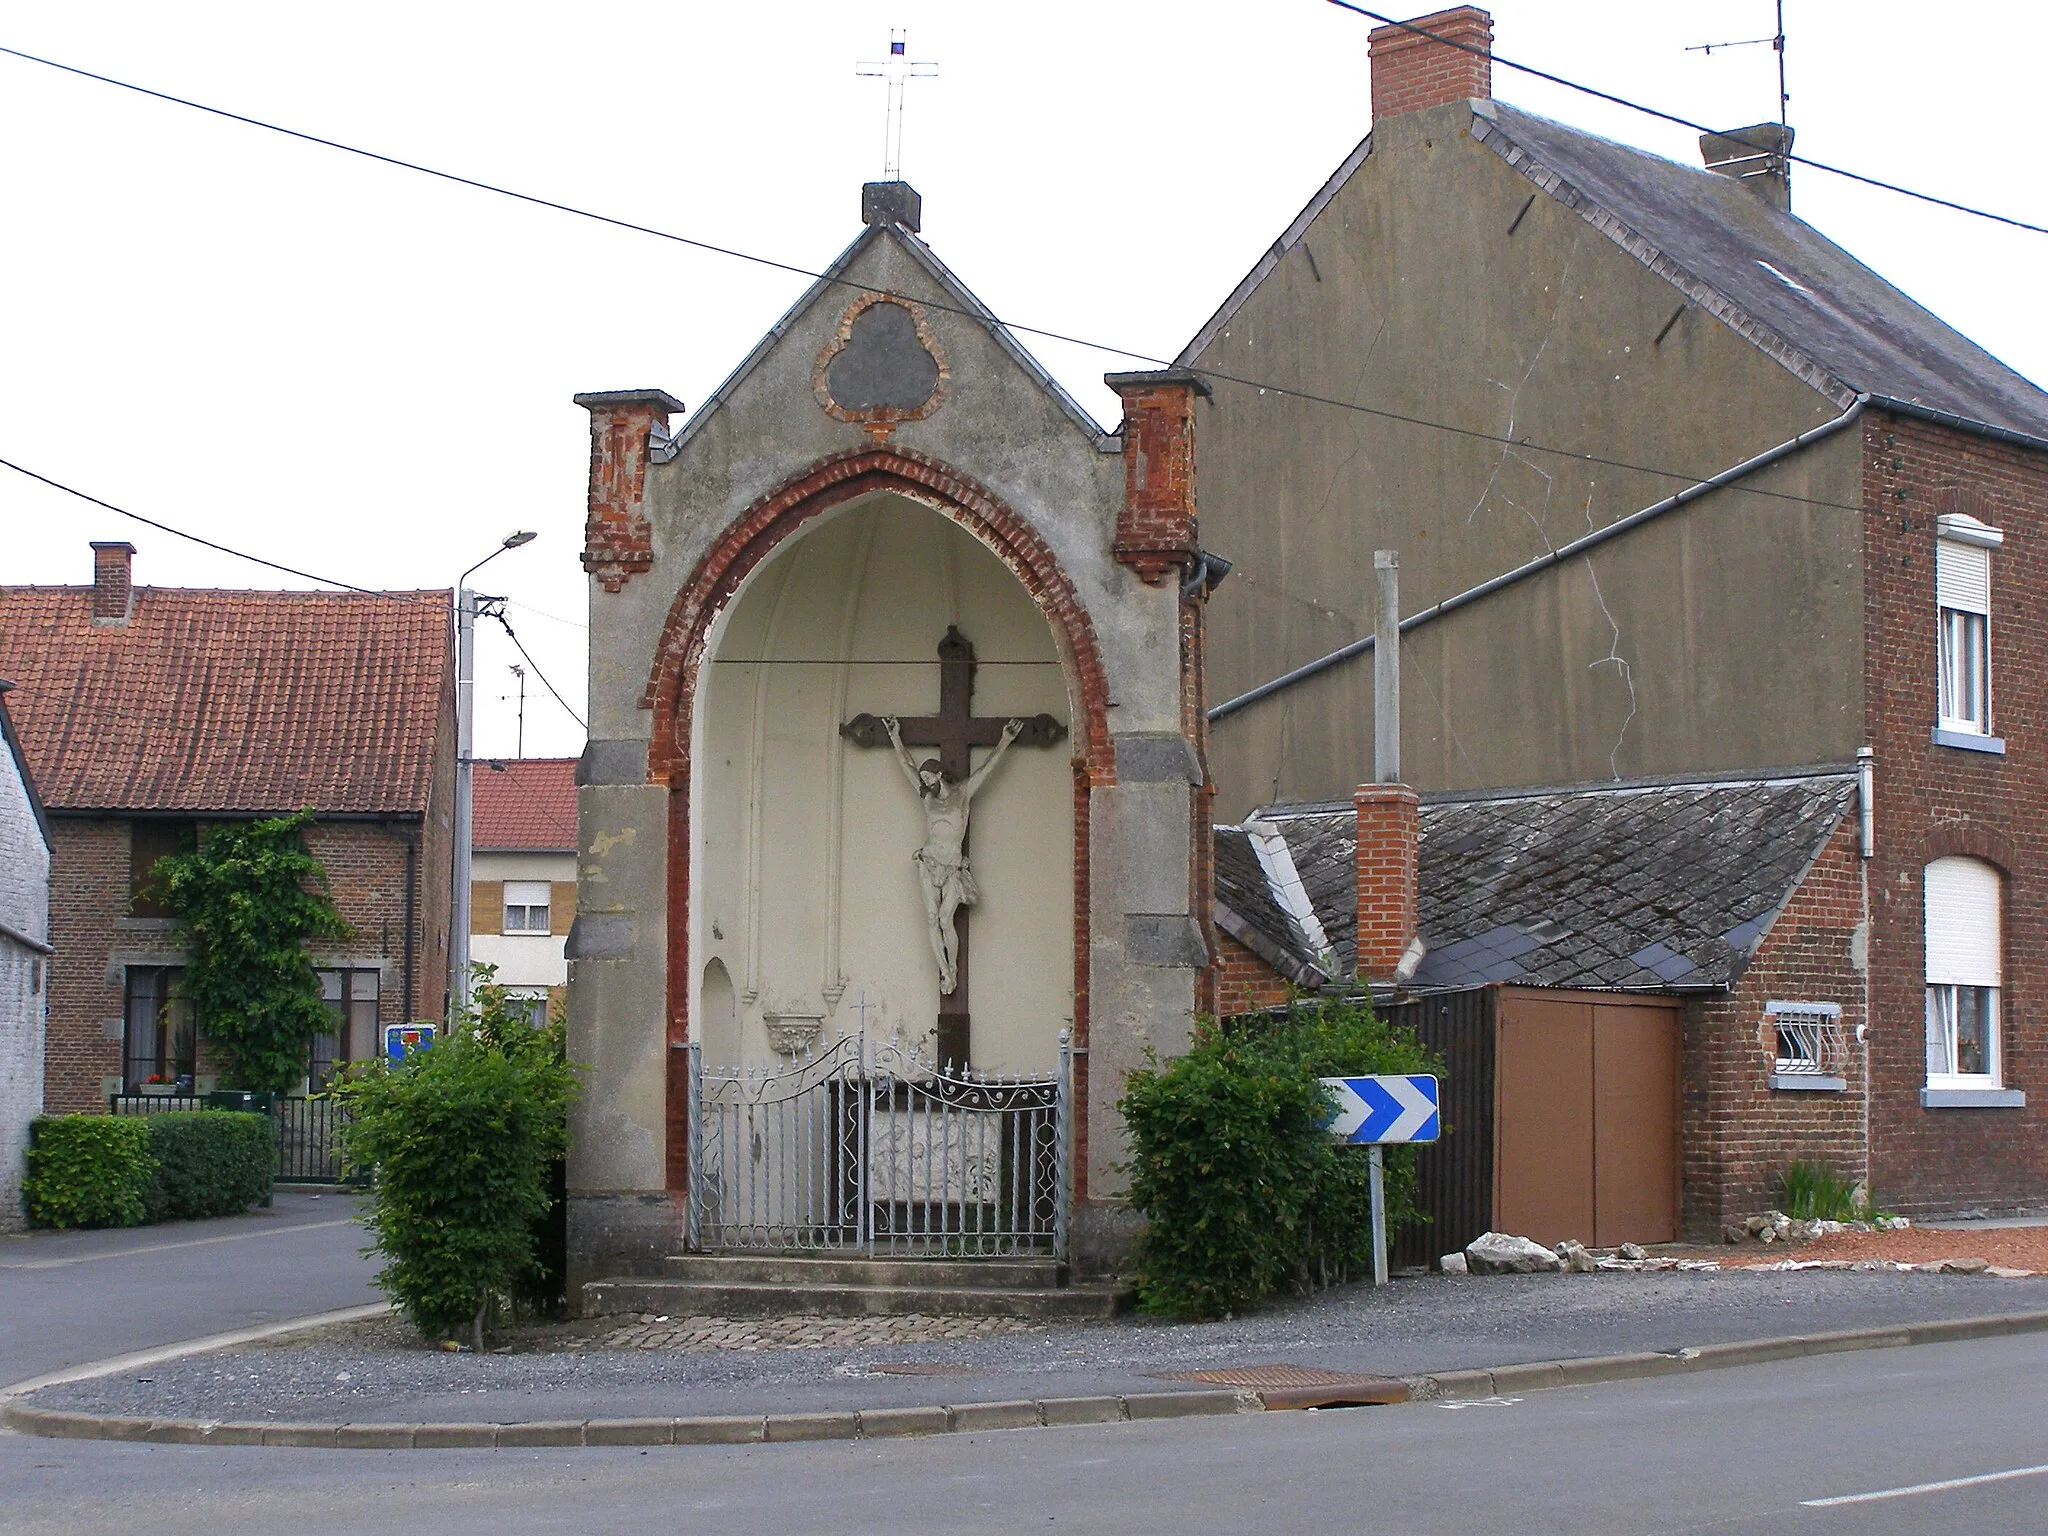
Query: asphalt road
[[1722, 1451], [70, 1297]]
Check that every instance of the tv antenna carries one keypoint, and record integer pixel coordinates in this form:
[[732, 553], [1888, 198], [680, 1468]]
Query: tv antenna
[[1777, 43]]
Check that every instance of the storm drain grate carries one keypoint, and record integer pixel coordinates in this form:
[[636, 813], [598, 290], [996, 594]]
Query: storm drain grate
[[1299, 1386]]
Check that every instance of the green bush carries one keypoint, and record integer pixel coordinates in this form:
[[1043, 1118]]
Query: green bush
[[1243, 1191], [464, 1139], [208, 1163], [87, 1171]]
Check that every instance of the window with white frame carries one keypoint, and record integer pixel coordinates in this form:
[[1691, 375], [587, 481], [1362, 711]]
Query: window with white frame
[[530, 1003], [1808, 1050], [1964, 973], [1962, 584], [526, 906]]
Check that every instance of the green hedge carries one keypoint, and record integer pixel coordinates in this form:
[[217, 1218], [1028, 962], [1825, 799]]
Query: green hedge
[[1243, 1190], [209, 1162], [123, 1170], [87, 1171], [466, 1139]]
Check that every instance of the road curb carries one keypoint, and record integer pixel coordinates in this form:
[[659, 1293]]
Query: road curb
[[1588, 1371], [977, 1418]]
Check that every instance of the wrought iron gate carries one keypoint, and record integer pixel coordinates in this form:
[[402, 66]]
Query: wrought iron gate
[[867, 1147]]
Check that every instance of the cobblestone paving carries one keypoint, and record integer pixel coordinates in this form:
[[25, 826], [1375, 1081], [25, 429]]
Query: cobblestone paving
[[802, 1332]]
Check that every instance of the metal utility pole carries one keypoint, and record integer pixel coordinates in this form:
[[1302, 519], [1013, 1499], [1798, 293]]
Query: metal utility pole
[[1386, 669], [465, 771]]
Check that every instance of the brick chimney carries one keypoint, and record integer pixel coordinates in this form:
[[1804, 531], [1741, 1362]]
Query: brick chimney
[[1389, 837], [1411, 73], [113, 583]]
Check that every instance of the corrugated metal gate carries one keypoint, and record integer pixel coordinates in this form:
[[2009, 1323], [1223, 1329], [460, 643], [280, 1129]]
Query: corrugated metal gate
[[1454, 1175]]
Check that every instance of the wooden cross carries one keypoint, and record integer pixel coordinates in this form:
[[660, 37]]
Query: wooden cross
[[955, 730]]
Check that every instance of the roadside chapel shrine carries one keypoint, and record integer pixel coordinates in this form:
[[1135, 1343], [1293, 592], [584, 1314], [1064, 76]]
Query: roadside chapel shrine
[[894, 818]]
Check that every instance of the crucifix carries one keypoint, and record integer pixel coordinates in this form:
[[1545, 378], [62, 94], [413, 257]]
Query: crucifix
[[895, 69], [945, 786]]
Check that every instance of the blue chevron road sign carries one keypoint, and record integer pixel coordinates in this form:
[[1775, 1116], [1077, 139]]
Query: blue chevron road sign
[[1380, 1111]]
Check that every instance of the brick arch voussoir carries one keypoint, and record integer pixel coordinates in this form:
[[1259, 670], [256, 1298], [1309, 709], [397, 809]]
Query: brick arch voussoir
[[783, 512], [1969, 840]]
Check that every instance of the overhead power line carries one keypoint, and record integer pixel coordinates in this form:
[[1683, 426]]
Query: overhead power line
[[193, 538], [505, 624], [978, 317], [1683, 122]]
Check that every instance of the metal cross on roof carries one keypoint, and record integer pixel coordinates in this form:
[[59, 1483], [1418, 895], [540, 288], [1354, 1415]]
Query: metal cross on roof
[[895, 69]]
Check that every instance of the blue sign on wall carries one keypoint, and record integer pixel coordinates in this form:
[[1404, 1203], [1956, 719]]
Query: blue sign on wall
[[401, 1040]]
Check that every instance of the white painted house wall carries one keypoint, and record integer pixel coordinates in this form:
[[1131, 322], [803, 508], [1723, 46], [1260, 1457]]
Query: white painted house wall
[[24, 915], [522, 959]]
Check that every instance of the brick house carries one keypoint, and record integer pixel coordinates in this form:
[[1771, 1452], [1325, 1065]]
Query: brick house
[[1716, 500], [24, 958], [1703, 932], [147, 713], [523, 867]]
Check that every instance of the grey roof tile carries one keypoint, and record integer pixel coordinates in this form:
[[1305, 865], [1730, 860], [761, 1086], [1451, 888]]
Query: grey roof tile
[[1644, 886]]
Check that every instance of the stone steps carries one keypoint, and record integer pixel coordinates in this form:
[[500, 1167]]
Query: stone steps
[[772, 1285], [833, 1269]]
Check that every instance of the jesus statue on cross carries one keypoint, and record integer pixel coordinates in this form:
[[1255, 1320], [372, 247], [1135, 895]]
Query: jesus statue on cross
[[943, 872]]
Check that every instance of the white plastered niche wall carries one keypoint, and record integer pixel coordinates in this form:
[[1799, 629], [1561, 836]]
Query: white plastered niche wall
[[804, 893]]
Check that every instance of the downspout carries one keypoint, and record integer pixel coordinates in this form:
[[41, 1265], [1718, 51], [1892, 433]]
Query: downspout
[[412, 905], [1557, 556]]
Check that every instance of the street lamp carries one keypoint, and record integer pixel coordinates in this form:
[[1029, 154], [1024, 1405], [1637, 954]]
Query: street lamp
[[465, 767]]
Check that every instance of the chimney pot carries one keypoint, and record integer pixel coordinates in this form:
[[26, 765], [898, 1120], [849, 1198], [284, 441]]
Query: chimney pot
[[1756, 157], [1389, 821], [1411, 72], [113, 587]]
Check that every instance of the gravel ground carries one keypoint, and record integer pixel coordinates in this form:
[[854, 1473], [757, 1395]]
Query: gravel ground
[[1431, 1323], [2010, 1247]]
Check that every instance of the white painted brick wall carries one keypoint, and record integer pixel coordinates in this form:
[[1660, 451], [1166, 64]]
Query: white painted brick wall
[[24, 907]]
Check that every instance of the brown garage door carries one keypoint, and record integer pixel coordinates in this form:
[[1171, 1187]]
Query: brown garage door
[[1586, 1128]]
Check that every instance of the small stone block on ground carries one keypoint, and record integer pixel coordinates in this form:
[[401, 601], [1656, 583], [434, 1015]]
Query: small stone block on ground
[[973, 1417], [813, 1426], [1082, 1410], [542, 1432], [630, 1432], [1179, 1405], [879, 1423], [721, 1429]]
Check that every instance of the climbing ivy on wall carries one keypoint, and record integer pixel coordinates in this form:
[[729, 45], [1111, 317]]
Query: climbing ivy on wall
[[247, 901]]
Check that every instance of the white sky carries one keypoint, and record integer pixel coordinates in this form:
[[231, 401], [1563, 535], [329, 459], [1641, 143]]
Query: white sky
[[365, 373]]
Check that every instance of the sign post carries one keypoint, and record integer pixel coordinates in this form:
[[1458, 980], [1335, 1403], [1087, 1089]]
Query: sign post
[[1374, 1112]]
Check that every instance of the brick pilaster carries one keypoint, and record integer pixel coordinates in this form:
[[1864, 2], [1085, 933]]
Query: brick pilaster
[[618, 541], [1156, 529]]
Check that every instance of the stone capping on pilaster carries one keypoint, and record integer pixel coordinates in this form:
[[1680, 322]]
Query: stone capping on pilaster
[[618, 541], [1156, 528]]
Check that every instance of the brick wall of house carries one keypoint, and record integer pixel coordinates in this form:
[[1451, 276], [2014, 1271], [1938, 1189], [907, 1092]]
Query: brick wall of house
[[95, 939], [1739, 1133], [1245, 983], [1935, 801]]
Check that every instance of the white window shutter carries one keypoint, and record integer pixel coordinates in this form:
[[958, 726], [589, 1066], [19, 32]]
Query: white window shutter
[[1963, 923], [1962, 576]]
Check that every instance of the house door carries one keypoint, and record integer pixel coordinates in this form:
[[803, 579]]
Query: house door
[[1586, 1118]]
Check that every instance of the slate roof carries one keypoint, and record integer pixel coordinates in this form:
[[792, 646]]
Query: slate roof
[[1247, 910], [228, 701], [1635, 887], [1772, 278], [1834, 311], [525, 805]]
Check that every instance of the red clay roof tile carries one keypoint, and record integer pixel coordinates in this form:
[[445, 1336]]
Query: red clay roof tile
[[229, 701], [525, 803]]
